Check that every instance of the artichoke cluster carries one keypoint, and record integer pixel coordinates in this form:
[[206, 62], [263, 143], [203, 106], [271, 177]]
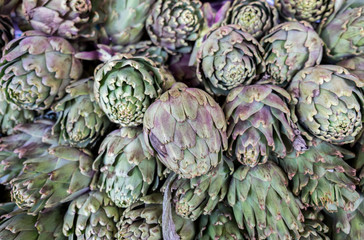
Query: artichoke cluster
[[181, 119]]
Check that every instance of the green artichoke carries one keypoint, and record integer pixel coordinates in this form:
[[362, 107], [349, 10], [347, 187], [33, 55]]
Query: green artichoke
[[28, 141], [220, 224], [6, 30], [125, 169], [7, 5], [315, 228], [81, 121], [355, 65], [16, 224], [55, 177], [227, 58], [126, 21], [263, 205], [35, 70], [256, 17], [259, 124], [321, 177], [91, 216], [175, 24], [199, 196], [327, 103], [126, 85], [187, 130], [289, 48], [143, 220], [343, 33], [308, 10]]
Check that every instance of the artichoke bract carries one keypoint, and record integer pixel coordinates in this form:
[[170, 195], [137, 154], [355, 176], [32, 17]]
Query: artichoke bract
[[58, 176], [125, 23], [81, 121], [187, 130], [355, 66], [327, 103], [35, 70], [227, 58], [256, 17], [6, 31], [175, 24], [263, 205], [343, 33], [143, 220], [259, 124], [126, 85], [125, 169], [321, 177], [289, 48], [91, 216], [358, 163]]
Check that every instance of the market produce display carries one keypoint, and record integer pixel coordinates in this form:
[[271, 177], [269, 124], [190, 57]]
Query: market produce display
[[182, 119]]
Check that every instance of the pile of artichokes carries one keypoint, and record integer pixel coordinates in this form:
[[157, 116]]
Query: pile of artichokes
[[181, 119]]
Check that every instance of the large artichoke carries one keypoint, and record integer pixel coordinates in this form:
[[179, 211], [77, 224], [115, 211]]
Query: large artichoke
[[290, 47], [126, 169], [343, 33], [263, 205], [321, 177], [143, 220], [256, 17], [126, 85], [91, 216], [327, 103], [227, 58], [81, 121], [187, 130], [259, 124], [175, 24], [48, 180], [6, 31], [35, 70]]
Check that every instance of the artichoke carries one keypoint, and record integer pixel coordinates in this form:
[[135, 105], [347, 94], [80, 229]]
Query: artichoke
[[126, 21], [220, 224], [256, 17], [327, 103], [35, 70], [187, 130], [355, 65], [259, 124], [289, 48], [125, 169], [6, 6], [343, 33], [126, 85], [175, 24], [321, 177], [199, 196], [18, 225], [315, 228], [81, 121], [263, 205], [6, 30], [227, 58], [143, 220], [358, 163], [55, 177], [91, 216]]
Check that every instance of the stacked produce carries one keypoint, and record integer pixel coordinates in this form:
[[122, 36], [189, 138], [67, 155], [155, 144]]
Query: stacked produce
[[181, 119]]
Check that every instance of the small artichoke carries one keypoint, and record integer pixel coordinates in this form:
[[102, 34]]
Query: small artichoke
[[315, 228], [343, 33], [289, 48], [355, 66], [126, 85], [259, 124], [81, 121], [263, 205], [6, 6], [175, 24], [125, 169], [91, 216], [55, 177], [227, 58], [327, 103], [256, 17], [321, 177], [6, 30], [143, 220], [35, 70], [187, 130]]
